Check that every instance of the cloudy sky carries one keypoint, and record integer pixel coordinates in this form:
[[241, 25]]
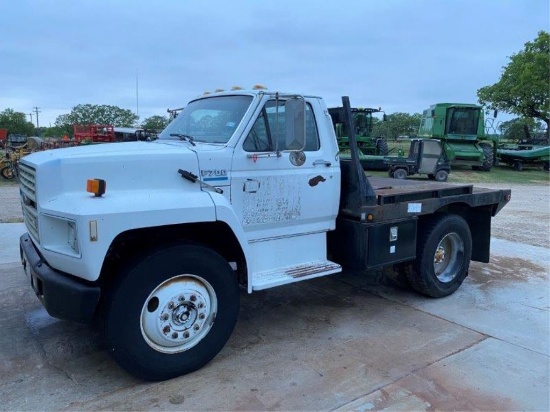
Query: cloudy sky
[[402, 55]]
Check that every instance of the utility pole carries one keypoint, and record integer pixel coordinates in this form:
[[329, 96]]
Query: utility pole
[[137, 96], [30, 115], [36, 111]]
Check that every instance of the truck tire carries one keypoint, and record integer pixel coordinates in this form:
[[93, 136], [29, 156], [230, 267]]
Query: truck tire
[[400, 173], [382, 147], [171, 311], [518, 165], [488, 157], [443, 253]]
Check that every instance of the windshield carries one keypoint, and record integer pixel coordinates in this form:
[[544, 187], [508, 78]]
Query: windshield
[[210, 120], [462, 120]]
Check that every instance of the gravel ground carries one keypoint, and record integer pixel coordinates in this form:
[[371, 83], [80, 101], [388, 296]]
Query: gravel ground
[[10, 210], [526, 219]]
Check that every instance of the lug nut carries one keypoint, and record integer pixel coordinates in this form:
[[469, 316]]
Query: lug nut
[[166, 329], [196, 327], [175, 335], [202, 316], [200, 305], [171, 305], [165, 316], [193, 298], [181, 298], [185, 334]]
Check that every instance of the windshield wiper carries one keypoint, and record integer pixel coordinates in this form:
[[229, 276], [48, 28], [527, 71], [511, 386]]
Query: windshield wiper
[[183, 136]]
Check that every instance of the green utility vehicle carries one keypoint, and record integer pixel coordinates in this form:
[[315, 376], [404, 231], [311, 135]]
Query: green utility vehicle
[[371, 149], [461, 129]]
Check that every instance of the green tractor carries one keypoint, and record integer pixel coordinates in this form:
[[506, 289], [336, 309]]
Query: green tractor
[[461, 130], [371, 149]]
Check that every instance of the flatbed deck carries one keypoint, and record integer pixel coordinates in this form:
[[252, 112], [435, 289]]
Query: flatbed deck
[[400, 198]]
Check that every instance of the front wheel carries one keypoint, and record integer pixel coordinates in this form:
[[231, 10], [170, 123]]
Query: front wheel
[[441, 175], [444, 251], [488, 157], [171, 312], [382, 147]]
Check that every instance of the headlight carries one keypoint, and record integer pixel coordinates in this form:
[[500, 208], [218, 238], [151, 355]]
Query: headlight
[[59, 235]]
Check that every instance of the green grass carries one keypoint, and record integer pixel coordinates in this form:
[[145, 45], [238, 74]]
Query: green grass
[[498, 174]]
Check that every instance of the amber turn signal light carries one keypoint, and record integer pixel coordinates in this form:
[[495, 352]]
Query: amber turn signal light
[[96, 186]]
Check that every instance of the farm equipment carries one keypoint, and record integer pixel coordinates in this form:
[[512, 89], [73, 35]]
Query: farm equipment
[[8, 164], [371, 149], [532, 155], [426, 156], [3, 136], [11, 139], [129, 134], [461, 130], [10, 160], [94, 133]]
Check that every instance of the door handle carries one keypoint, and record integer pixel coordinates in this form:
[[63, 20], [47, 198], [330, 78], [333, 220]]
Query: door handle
[[322, 162]]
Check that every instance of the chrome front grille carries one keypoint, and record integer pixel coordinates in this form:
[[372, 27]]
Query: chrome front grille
[[27, 177]]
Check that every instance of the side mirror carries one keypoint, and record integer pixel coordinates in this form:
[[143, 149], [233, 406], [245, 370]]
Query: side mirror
[[295, 123]]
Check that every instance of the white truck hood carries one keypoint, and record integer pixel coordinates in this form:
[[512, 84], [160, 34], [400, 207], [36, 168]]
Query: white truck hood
[[124, 166]]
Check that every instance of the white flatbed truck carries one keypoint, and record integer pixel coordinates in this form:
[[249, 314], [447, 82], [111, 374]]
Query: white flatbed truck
[[243, 189]]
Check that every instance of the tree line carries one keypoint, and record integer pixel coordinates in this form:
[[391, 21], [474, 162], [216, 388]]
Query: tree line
[[16, 122]]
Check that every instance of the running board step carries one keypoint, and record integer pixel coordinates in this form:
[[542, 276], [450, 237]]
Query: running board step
[[290, 274]]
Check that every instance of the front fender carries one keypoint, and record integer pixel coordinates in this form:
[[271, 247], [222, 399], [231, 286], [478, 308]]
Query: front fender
[[114, 213], [225, 213]]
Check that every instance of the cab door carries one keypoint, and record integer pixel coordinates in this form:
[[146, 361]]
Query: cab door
[[282, 188]]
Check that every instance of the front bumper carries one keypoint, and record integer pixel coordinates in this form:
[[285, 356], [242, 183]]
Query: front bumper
[[63, 296]]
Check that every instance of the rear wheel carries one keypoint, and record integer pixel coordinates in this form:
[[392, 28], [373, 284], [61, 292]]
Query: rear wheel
[[518, 165], [171, 312], [444, 251], [400, 173]]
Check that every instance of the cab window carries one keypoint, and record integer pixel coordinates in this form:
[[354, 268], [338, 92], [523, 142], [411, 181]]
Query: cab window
[[270, 128]]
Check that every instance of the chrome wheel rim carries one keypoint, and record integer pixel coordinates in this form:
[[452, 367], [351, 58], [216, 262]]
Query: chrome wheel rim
[[447, 257], [178, 314]]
